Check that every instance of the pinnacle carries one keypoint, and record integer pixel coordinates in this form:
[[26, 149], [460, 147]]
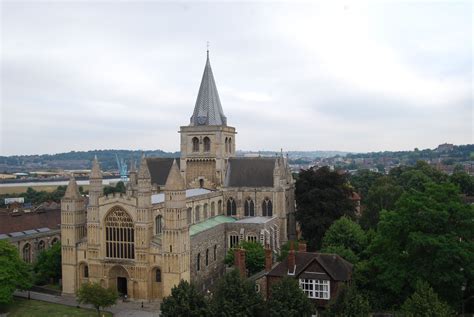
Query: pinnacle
[[174, 181]]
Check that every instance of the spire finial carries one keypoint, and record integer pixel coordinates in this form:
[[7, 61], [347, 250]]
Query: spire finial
[[207, 49]]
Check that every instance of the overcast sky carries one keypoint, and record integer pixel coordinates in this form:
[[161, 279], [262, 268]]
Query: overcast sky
[[307, 76]]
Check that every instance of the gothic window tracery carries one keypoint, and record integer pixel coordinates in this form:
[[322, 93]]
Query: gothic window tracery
[[249, 208], [119, 234], [267, 208], [231, 207]]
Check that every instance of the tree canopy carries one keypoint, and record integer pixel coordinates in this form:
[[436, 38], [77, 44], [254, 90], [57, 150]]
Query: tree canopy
[[349, 303], [96, 295], [288, 300], [48, 265], [14, 273], [235, 296], [185, 301], [424, 302], [322, 197]]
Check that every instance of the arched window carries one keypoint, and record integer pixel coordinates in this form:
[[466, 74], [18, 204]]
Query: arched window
[[158, 276], [215, 252], [207, 257], [213, 209], [231, 207], [207, 144], [158, 224], [249, 208], [206, 207], [219, 207], [201, 183], [252, 238], [197, 211], [267, 208], [86, 271], [226, 145], [230, 145], [198, 262], [119, 234], [195, 144], [27, 253], [54, 241], [41, 246], [189, 215]]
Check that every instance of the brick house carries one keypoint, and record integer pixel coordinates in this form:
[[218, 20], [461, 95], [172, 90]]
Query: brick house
[[320, 275]]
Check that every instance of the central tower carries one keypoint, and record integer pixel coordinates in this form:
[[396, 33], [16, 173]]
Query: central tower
[[207, 142]]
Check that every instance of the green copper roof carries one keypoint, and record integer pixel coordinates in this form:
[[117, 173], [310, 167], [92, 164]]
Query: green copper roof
[[208, 224]]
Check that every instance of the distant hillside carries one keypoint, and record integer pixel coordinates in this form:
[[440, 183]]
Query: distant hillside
[[74, 160]]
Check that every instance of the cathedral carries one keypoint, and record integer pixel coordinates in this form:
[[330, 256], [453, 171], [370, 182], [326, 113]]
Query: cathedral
[[178, 217]]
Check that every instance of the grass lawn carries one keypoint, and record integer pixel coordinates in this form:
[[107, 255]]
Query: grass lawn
[[35, 308]]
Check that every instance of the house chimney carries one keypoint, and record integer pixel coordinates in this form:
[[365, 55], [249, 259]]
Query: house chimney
[[239, 261], [291, 260], [268, 259], [301, 246]]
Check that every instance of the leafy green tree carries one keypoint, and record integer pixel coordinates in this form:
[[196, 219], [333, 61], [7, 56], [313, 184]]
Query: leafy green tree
[[322, 197], [14, 273], [362, 180], [235, 296], [349, 303], [285, 249], [288, 300], [424, 302], [185, 301], [118, 188], [464, 181], [48, 265], [430, 236], [346, 233], [254, 256], [96, 295], [383, 194], [345, 253]]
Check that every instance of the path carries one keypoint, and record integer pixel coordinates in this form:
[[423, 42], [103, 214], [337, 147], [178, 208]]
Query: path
[[121, 309]]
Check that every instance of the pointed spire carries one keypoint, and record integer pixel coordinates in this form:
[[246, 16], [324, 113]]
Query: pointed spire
[[95, 172], [208, 109], [133, 167], [174, 181], [143, 172], [72, 190]]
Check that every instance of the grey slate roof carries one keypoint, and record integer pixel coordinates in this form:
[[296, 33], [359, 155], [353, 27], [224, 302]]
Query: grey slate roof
[[159, 168], [334, 265], [250, 172], [208, 109]]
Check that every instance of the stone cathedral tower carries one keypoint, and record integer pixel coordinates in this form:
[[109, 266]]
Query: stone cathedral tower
[[73, 229], [207, 143], [176, 241]]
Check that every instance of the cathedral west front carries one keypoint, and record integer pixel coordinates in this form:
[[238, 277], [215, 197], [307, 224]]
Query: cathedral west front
[[178, 217]]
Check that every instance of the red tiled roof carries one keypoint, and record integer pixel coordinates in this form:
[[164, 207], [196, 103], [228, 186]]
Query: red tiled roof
[[20, 221]]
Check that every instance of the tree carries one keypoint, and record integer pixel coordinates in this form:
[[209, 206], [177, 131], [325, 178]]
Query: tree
[[184, 300], [285, 249], [429, 235], [464, 181], [48, 265], [362, 180], [288, 300], [424, 302], [349, 303], [254, 256], [345, 233], [96, 295], [14, 273], [235, 296], [322, 197], [383, 194]]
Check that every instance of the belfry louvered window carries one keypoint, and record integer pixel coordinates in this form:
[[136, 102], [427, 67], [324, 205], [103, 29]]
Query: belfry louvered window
[[195, 144], [207, 144], [119, 234]]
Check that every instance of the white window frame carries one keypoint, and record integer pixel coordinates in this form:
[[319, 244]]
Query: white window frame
[[317, 289]]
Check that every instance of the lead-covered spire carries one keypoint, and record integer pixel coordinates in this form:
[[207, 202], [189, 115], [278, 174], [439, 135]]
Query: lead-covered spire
[[208, 109]]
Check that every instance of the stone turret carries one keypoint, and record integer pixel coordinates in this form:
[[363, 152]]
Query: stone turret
[[73, 230], [95, 183], [176, 241], [95, 192]]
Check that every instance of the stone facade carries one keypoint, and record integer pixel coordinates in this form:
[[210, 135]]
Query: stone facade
[[178, 218]]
